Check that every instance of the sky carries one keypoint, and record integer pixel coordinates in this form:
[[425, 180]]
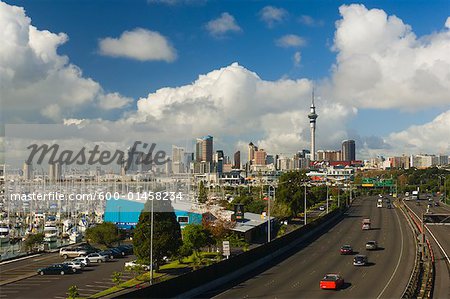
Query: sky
[[238, 70]]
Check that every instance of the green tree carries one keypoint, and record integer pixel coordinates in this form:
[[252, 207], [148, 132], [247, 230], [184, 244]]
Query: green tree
[[72, 292], [290, 190], [166, 233], [116, 277], [202, 193], [105, 233], [195, 236], [32, 240]]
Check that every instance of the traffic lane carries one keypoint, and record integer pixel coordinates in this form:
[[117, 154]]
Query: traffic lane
[[92, 280], [28, 266], [318, 258], [299, 275], [442, 270]]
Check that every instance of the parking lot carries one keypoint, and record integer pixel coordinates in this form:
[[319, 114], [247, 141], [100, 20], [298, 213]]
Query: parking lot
[[91, 280]]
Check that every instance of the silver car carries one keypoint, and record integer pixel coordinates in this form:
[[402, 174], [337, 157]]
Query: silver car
[[96, 258], [372, 245]]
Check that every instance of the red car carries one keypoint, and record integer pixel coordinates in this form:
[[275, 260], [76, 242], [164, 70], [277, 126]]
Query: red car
[[346, 249], [331, 282]]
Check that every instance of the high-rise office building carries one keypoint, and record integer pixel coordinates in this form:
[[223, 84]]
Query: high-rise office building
[[251, 152], [237, 160], [348, 150], [178, 159], [260, 157], [54, 172], [27, 171], [204, 149]]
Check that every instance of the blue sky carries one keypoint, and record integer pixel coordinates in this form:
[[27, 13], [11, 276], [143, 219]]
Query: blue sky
[[198, 52]]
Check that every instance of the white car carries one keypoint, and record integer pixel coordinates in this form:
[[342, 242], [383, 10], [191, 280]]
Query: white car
[[76, 266], [96, 258], [134, 263], [322, 208], [83, 260]]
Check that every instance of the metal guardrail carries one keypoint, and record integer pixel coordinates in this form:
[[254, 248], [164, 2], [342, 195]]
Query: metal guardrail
[[413, 287], [421, 282]]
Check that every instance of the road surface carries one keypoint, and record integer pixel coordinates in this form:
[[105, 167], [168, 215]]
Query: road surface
[[298, 275]]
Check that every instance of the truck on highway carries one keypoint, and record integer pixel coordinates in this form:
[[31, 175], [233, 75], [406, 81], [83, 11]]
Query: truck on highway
[[365, 224]]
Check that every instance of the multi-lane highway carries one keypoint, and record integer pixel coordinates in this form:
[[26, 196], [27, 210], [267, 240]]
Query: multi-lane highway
[[439, 236], [298, 275]]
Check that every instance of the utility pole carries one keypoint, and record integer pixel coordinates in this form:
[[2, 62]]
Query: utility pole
[[304, 214], [151, 244]]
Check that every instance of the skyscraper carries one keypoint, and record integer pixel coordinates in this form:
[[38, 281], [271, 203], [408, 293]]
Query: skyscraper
[[237, 160], [312, 123], [178, 165], [204, 149], [251, 152], [260, 157], [348, 150]]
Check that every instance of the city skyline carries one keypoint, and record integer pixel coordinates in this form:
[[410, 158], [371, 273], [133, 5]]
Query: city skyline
[[238, 97]]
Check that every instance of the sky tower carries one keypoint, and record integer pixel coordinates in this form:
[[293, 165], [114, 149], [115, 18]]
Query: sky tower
[[312, 123]]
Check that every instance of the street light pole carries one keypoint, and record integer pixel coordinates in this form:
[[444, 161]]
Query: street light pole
[[326, 182], [304, 214], [151, 244]]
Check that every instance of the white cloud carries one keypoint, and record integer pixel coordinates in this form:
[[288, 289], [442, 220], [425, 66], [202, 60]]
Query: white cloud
[[272, 15], [113, 101], [447, 23], [221, 26], [432, 137], [297, 58], [235, 104], [140, 44], [382, 64], [290, 41], [310, 21], [37, 83]]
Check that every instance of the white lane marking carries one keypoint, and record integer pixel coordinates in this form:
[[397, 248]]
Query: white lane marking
[[437, 242], [399, 259], [19, 259]]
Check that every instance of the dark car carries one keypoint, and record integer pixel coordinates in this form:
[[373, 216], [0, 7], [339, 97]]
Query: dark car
[[346, 249], [55, 269], [436, 203], [360, 260], [128, 249], [119, 252]]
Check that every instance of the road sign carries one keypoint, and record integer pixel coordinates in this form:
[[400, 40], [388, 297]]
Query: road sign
[[226, 248]]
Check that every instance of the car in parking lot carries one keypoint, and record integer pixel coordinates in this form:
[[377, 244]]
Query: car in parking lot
[[60, 269], [346, 249], [128, 249], [107, 254], [133, 264], [76, 266], [122, 251], [360, 260], [331, 282], [96, 258], [371, 245], [67, 252], [82, 259]]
